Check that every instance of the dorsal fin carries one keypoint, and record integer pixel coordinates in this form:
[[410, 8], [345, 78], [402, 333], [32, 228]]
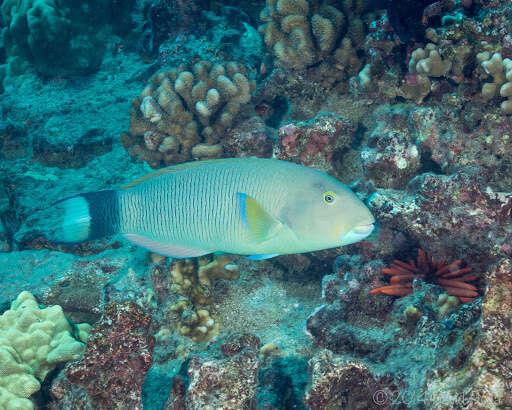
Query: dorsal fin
[[179, 167]]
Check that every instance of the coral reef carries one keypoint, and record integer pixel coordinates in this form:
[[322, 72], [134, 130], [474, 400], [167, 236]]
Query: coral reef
[[192, 282], [219, 32], [501, 71], [184, 112], [33, 341], [225, 380], [58, 37], [424, 64], [117, 357], [247, 139], [451, 276], [317, 142], [391, 157], [408, 105], [337, 383], [412, 336], [440, 225], [303, 33], [486, 374]]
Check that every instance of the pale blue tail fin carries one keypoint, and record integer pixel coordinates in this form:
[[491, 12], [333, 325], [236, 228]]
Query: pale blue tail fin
[[79, 218]]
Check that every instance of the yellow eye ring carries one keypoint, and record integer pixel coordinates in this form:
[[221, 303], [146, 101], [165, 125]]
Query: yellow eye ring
[[329, 197]]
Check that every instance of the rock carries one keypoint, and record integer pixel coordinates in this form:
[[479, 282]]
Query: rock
[[117, 357], [391, 158], [314, 143], [337, 383], [13, 140], [70, 150], [248, 139], [226, 379]]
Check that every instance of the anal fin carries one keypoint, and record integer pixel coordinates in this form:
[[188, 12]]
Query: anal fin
[[262, 256], [173, 251]]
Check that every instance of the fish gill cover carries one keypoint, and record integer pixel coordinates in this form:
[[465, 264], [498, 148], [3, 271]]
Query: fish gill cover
[[407, 102]]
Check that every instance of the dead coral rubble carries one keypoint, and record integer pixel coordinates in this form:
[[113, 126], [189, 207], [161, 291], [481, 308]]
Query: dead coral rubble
[[183, 112], [337, 383], [486, 374], [316, 142], [227, 379], [117, 357]]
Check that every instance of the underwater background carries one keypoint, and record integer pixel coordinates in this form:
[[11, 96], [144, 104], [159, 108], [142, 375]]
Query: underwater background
[[408, 102]]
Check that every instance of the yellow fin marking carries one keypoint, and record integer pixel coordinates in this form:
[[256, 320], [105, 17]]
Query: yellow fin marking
[[261, 224]]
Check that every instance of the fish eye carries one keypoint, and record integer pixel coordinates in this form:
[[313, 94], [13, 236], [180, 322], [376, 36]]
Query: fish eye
[[329, 197]]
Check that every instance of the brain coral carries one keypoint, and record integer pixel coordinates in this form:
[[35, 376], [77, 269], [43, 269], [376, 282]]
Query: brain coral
[[302, 33], [33, 341], [183, 112]]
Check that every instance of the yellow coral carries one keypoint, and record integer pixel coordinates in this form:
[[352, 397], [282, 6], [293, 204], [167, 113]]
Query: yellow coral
[[303, 33], [445, 303], [429, 62], [193, 279], [501, 71], [33, 341], [183, 111]]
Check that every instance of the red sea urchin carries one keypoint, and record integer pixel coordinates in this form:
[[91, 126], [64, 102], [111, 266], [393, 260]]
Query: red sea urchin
[[452, 277]]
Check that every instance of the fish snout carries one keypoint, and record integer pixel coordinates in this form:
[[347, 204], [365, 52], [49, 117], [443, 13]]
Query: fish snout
[[357, 233]]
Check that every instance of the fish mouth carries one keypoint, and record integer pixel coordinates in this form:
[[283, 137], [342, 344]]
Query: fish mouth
[[357, 234]]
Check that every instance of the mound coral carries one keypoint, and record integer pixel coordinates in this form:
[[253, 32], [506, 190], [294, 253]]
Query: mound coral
[[501, 71], [183, 112], [452, 277], [434, 62], [33, 341], [424, 64], [59, 37], [302, 33]]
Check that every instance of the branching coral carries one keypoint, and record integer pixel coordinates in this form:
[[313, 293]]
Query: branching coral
[[184, 111], [302, 33], [193, 280], [452, 277], [435, 61], [33, 341], [501, 71]]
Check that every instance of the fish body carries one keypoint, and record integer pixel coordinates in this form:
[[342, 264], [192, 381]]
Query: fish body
[[261, 207]]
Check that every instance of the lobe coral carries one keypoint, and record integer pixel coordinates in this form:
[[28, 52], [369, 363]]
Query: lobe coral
[[452, 277]]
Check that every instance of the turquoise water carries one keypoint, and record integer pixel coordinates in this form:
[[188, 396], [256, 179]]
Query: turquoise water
[[409, 104]]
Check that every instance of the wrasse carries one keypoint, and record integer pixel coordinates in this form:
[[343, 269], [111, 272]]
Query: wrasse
[[247, 206]]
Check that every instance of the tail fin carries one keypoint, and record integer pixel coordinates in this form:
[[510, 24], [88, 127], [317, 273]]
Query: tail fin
[[80, 218]]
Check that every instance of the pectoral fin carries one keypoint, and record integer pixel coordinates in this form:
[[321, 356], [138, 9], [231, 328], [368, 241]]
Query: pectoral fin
[[258, 221]]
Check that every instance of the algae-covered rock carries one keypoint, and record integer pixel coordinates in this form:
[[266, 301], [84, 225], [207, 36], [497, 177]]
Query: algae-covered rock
[[112, 370]]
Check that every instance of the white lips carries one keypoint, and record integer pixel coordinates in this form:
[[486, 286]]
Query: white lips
[[363, 229], [356, 234]]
